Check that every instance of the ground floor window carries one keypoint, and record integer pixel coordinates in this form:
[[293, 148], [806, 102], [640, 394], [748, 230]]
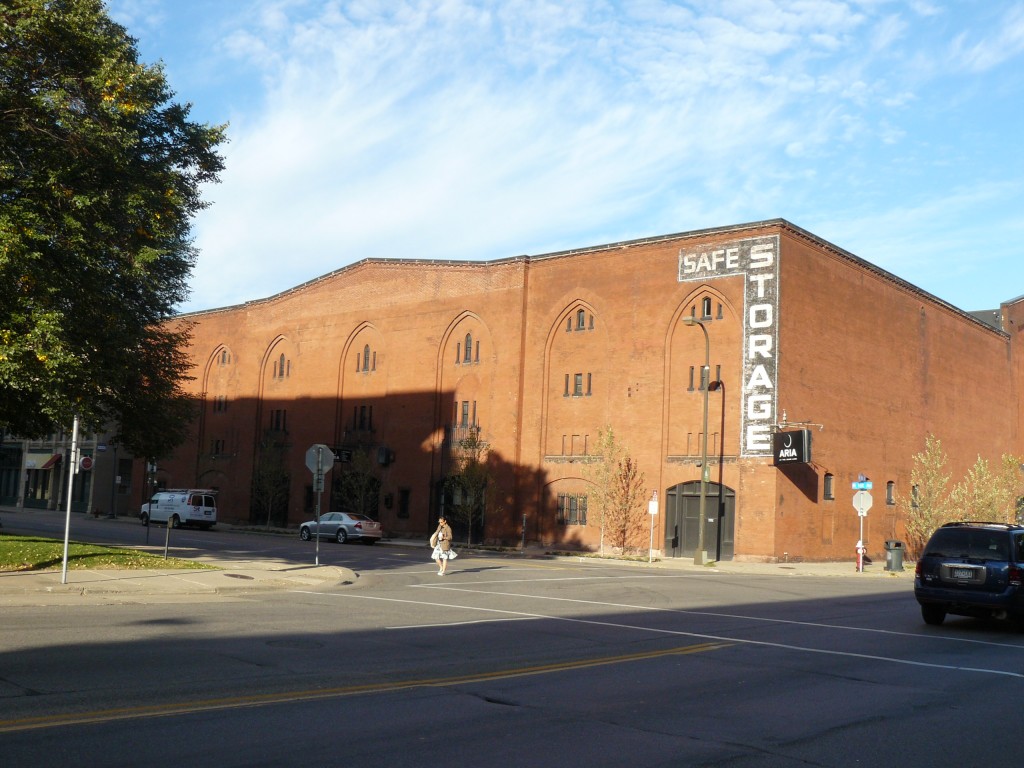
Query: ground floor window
[[572, 509]]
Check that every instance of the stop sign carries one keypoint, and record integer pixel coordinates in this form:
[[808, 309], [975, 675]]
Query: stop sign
[[319, 459], [862, 502], [85, 462]]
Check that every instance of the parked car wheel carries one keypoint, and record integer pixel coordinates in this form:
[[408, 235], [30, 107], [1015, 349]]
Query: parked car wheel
[[304, 533], [175, 522], [342, 536], [933, 614], [145, 518]]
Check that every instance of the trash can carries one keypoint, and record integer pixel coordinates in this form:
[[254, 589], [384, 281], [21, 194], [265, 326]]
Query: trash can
[[893, 555]]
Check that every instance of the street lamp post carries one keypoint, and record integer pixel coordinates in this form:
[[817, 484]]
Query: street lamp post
[[705, 380]]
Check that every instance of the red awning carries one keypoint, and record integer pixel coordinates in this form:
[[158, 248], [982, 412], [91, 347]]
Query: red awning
[[53, 460]]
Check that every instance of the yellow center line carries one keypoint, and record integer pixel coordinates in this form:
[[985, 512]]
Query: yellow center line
[[237, 702]]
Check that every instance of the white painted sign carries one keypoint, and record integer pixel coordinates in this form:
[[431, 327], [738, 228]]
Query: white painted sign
[[757, 259]]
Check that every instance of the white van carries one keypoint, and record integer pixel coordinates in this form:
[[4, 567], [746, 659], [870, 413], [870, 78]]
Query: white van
[[182, 506]]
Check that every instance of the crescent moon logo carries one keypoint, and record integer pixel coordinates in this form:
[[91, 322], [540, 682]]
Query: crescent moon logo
[[789, 441]]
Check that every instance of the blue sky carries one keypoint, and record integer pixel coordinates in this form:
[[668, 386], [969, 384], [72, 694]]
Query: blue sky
[[464, 129]]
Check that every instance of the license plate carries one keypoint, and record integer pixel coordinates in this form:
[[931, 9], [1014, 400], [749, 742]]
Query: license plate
[[962, 573]]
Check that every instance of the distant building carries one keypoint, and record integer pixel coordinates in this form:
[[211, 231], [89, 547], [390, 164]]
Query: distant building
[[392, 362], [34, 474]]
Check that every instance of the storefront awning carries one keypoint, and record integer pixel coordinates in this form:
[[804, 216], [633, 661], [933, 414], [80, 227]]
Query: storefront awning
[[52, 461]]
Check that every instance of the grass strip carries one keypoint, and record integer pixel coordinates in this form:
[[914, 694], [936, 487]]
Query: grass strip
[[35, 553]]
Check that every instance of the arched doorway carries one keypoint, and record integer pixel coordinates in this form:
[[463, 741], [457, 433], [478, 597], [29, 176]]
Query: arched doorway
[[682, 513]]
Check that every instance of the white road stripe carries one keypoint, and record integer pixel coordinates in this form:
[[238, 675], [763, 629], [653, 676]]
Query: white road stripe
[[674, 632]]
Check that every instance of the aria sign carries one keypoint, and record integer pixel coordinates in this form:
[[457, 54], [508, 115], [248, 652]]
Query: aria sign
[[757, 259], [791, 447]]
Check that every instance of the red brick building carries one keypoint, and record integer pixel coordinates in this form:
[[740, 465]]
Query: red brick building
[[394, 360]]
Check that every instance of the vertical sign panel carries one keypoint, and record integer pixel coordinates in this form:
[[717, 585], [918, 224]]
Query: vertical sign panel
[[757, 259]]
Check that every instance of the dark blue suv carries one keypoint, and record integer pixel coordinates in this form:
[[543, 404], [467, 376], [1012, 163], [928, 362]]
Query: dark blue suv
[[971, 569]]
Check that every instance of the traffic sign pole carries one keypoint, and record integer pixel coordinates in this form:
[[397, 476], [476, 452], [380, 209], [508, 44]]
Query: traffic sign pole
[[319, 459], [862, 503]]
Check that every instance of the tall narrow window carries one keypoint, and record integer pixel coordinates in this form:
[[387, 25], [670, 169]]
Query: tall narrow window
[[465, 413], [581, 320], [890, 493], [589, 382], [458, 353], [366, 357], [690, 388], [474, 422], [828, 490], [577, 385], [478, 352], [566, 393], [280, 367], [705, 307], [469, 348]]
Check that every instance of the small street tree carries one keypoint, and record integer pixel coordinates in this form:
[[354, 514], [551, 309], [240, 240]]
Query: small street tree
[[356, 487], [926, 507], [467, 481], [982, 495], [618, 492], [271, 481], [625, 515], [600, 471], [987, 495]]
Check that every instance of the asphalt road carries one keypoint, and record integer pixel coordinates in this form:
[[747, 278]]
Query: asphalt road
[[506, 662], [509, 662]]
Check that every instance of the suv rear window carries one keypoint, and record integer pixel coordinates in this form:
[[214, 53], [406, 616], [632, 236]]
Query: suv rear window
[[971, 543]]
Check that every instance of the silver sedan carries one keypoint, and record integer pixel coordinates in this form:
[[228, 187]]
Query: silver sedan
[[342, 527]]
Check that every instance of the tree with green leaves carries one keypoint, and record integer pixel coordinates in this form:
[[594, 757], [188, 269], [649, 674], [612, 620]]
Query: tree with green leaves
[[100, 176]]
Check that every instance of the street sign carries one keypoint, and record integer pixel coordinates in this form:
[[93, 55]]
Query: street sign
[[863, 485], [862, 502], [319, 459]]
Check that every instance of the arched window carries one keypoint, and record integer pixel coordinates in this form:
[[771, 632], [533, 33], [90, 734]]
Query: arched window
[[468, 349], [280, 366], [705, 307], [581, 320], [366, 357]]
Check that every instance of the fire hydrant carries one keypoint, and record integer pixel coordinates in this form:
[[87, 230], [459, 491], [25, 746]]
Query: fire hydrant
[[860, 556]]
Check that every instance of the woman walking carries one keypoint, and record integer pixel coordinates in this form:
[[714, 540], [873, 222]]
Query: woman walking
[[442, 541]]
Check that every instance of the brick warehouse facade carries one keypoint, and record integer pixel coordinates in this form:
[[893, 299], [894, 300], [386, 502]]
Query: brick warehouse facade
[[400, 357]]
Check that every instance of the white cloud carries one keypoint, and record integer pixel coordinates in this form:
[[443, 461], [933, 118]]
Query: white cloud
[[1006, 42], [483, 129]]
